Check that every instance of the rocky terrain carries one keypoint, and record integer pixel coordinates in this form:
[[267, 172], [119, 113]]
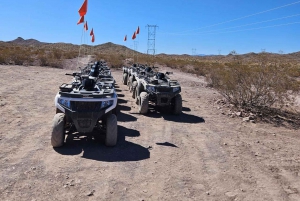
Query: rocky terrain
[[202, 154]]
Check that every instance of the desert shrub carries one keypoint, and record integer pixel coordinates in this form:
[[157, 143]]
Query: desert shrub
[[253, 86], [55, 63], [115, 61], [202, 68], [70, 54], [43, 60], [57, 54], [3, 57]]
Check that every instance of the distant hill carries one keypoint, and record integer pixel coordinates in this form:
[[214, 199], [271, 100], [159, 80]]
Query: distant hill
[[111, 48], [21, 41]]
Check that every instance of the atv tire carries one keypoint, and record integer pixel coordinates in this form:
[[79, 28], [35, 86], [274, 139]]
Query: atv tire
[[130, 83], [177, 104], [58, 130], [125, 76], [128, 80], [144, 103], [133, 89], [111, 135]]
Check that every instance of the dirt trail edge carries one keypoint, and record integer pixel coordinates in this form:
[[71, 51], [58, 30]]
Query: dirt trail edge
[[198, 155]]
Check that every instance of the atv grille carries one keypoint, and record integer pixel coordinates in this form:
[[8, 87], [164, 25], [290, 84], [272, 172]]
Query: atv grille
[[80, 106], [84, 123], [164, 89]]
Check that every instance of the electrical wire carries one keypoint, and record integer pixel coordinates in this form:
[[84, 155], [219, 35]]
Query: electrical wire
[[271, 20], [247, 16], [247, 29]]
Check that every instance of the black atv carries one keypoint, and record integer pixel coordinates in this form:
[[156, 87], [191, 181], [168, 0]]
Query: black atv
[[159, 89], [88, 103]]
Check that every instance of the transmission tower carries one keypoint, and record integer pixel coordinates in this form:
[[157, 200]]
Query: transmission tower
[[151, 39], [194, 52]]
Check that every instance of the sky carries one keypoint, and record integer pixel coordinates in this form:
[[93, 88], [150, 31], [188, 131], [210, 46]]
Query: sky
[[183, 26]]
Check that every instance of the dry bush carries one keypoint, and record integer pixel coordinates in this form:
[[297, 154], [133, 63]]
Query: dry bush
[[3, 57], [57, 53], [45, 60], [70, 54], [115, 61], [254, 86]]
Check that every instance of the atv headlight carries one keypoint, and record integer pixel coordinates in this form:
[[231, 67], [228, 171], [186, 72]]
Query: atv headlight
[[175, 89], [106, 103], [64, 102], [151, 88]]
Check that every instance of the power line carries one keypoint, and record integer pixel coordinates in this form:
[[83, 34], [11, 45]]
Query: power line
[[272, 9], [278, 25], [241, 25]]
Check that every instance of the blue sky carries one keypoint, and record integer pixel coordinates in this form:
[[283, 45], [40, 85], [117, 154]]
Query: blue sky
[[209, 26]]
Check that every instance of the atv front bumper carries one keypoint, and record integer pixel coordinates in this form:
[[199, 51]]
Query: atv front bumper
[[84, 113]]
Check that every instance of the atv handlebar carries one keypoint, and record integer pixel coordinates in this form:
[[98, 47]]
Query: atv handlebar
[[73, 74]]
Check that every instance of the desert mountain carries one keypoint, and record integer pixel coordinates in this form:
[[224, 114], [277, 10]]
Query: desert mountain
[[111, 48], [22, 41]]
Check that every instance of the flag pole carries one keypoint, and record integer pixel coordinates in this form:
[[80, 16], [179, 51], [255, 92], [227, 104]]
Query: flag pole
[[80, 47]]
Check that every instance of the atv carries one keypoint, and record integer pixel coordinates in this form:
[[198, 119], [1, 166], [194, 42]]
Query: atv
[[159, 89], [87, 104]]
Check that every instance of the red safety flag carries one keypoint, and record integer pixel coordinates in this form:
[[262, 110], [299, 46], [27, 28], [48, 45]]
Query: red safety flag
[[81, 20], [133, 36], [86, 26], [125, 38], [93, 38], [92, 32], [138, 30], [83, 10]]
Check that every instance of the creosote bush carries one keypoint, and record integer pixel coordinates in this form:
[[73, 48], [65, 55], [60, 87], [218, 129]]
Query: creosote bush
[[255, 86]]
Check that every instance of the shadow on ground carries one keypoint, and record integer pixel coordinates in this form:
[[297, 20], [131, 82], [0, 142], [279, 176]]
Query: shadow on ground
[[120, 101], [96, 149], [154, 112], [125, 117], [124, 108], [168, 144]]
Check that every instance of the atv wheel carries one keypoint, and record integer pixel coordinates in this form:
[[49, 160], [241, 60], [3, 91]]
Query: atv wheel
[[144, 102], [133, 89], [111, 130], [130, 83], [125, 76], [137, 97], [177, 104], [58, 130], [128, 80]]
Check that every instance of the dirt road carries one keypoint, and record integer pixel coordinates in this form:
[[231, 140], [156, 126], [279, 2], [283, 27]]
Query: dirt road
[[199, 155]]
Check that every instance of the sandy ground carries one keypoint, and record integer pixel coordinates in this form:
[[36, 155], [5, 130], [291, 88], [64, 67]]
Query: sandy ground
[[199, 155]]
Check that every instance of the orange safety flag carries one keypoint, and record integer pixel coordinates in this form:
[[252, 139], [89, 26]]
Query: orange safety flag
[[133, 36], [83, 10], [137, 30], [125, 38], [92, 32], [81, 20], [86, 26], [93, 38]]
